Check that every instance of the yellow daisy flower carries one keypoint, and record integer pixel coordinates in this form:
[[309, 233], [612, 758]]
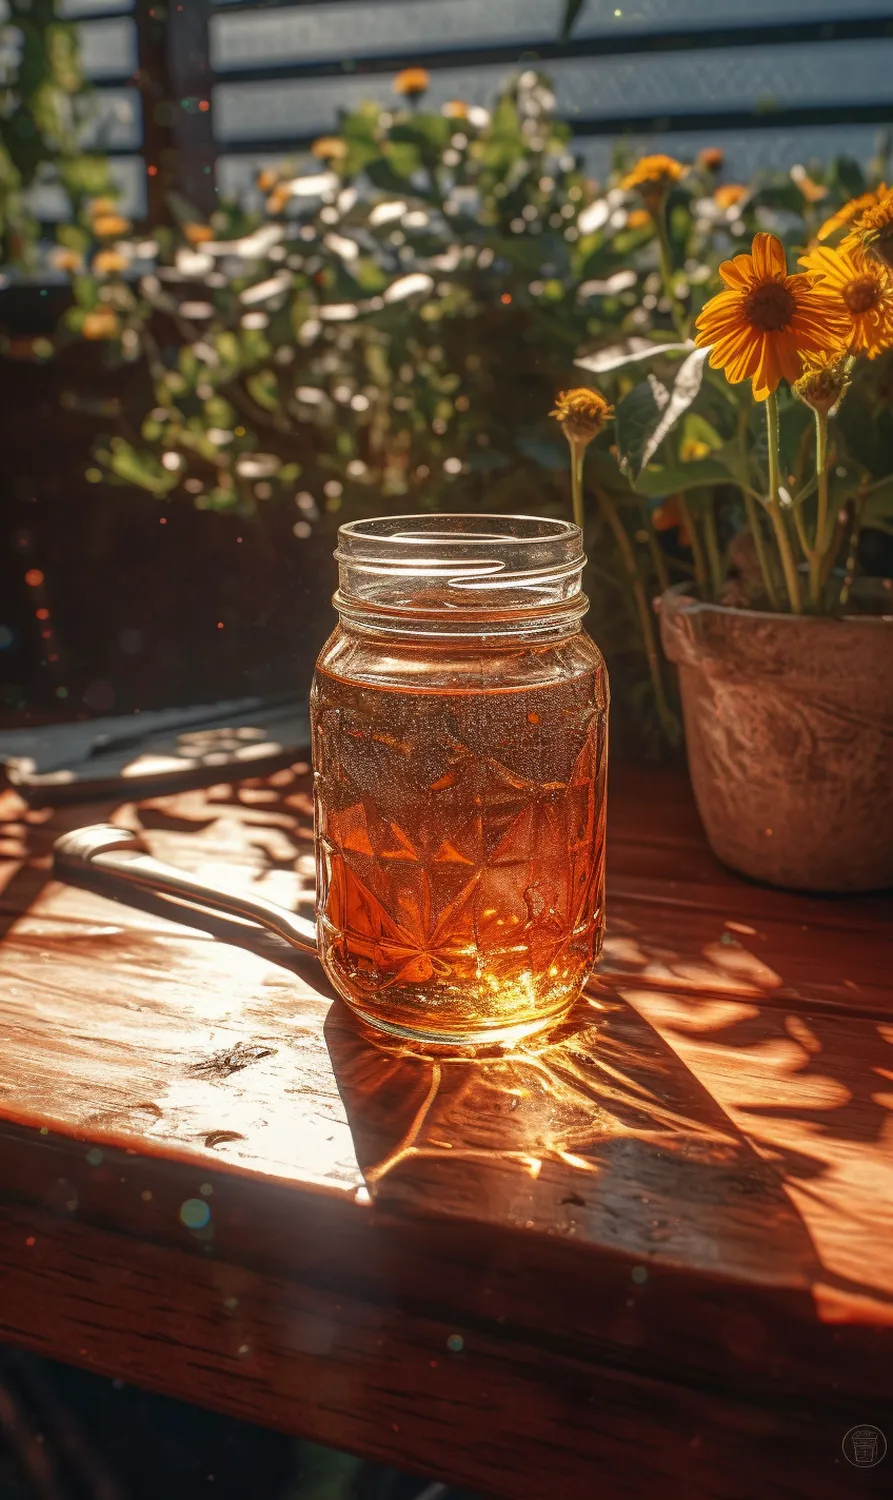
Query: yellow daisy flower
[[730, 194], [582, 414], [108, 226], [412, 82], [67, 260], [812, 191], [765, 322], [850, 211], [863, 285], [101, 323], [824, 381], [652, 177], [872, 231], [108, 262], [329, 148]]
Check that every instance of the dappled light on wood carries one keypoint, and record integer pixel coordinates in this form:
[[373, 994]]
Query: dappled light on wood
[[687, 1184]]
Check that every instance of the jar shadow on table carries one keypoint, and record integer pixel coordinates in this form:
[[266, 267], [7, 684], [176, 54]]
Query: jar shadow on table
[[594, 1128]]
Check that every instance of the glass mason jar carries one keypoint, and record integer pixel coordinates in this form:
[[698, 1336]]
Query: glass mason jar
[[459, 719]]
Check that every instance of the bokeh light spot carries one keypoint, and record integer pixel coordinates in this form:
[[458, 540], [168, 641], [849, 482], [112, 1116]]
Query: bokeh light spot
[[195, 1213]]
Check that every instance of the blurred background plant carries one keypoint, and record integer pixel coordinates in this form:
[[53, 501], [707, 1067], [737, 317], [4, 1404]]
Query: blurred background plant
[[390, 328], [45, 106]]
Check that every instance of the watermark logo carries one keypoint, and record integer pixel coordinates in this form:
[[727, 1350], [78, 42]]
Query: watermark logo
[[864, 1446]]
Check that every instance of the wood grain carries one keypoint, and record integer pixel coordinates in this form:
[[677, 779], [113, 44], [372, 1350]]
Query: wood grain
[[675, 1209]]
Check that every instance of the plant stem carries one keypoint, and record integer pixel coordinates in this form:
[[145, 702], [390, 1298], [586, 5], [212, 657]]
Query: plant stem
[[803, 539], [578, 453], [697, 551], [821, 521], [753, 515], [659, 215], [789, 566], [754, 521], [657, 556], [838, 537], [712, 539], [665, 713], [852, 561]]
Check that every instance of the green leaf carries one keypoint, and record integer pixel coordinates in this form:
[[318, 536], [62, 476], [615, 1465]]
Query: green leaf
[[878, 511], [403, 158], [263, 388], [650, 412], [660, 480], [696, 429], [867, 432], [85, 292], [630, 351], [428, 132], [141, 469]]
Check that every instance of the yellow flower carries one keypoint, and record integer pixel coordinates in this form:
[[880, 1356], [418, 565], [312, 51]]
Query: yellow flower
[[582, 414], [825, 380], [101, 206], [638, 218], [329, 148], [278, 199], [863, 285], [653, 176], [765, 322], [729, 194], [412, 82], [850, 211], [267, 179], [712, 158], [107, 262], [455, 109], [198, 234], [67, 260], [872, 231], [691, 450], [812, 191], [102, 323], [107, 226]]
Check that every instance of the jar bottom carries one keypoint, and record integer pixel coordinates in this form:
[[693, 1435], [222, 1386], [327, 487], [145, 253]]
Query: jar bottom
[[479, 1036]]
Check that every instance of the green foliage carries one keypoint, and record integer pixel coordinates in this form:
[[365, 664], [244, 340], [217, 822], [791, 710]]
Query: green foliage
[[44, 104], [391, 329]]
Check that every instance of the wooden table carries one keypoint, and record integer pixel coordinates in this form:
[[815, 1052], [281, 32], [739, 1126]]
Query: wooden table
[[649, 1254]]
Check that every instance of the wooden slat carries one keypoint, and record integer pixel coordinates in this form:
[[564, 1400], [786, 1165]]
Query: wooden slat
[[487, 1412], [671, 1195]]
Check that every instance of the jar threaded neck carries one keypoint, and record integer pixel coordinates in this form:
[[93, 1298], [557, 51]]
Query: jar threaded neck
[[465, 575]]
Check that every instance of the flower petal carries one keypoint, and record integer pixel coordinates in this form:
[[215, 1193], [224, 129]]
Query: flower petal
[[738, 273], [768, 257]]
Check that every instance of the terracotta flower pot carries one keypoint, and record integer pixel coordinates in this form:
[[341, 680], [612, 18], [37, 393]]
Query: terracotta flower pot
[[789, 729]]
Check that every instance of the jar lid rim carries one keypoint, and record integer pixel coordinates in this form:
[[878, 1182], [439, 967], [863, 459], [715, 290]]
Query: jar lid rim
[[553, 529]]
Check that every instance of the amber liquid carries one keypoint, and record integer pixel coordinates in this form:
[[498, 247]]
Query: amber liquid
[[460, 839]]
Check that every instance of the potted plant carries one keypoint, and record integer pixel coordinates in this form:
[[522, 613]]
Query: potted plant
[[783, 652]]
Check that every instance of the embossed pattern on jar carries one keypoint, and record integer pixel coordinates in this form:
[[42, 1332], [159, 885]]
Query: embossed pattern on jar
[[460, 798]]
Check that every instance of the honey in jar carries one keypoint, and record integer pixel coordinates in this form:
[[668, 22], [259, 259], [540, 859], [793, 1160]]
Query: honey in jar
[[460, 753]]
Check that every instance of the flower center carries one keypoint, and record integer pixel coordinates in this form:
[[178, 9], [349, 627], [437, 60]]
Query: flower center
[[769, 307], [861, 295]]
